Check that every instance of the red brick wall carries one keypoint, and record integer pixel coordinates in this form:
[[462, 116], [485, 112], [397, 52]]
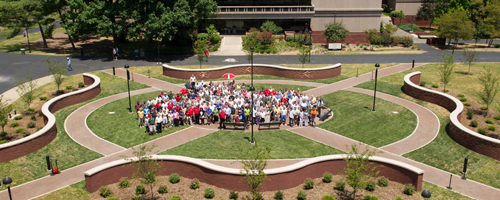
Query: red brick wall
[[16, 151], [465, 139], [233, 182], [217, 73], [407, 20]]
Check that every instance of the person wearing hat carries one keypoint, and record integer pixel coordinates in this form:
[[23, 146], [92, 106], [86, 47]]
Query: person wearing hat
[[69, 64]]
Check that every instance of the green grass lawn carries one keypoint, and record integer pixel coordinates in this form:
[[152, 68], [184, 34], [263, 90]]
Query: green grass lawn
[[353, 118], [443, 152], [67, 152], [122, 128], [380, 51], [225, 145], [14, 44]]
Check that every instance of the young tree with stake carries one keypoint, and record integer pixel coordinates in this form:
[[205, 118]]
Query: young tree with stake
[[303, 55], [490, 87], [470, 56], [4, 113], [57, 71], [254, 160], [146, 165], [199, 48], [446, 70], [359, 171], [25, 86]]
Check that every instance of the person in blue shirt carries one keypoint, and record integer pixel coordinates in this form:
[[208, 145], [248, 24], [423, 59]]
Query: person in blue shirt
[[209, 115], [146, 110]]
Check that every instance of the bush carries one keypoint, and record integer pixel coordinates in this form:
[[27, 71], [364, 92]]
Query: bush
[[473, 124], [25, 134], [209, 193], [492, 128], [202, 36], [233, 195], [163, 189], [445, 91], [69, 87], [14, 124], [3, 141], [105, 192], [135, 198], [497, 117], [18, 117], [124, 183], [470, 114], [195, 184], [435, 85], [33, 117], [483, 108], [80, 85], [328, 197], [74, 89], [409, 189], [422, 83], [463, 99], [175, 197], [467, 104], [59, 92], [496, 45], [368, 197], [407, 42], [174, 178], [309, 184], [270, 26], [44, 98], [31, 109], [40, 113], [39, 128], [482, 131], [488, 121], [339, 186], [19, 130], [31, 125], [398, 198], [327, 177], [460, 95], [301, 195], [113, 198], [408, 27], [140, 189], [278, 195], [3, 134], [383, 182], [370, 186]]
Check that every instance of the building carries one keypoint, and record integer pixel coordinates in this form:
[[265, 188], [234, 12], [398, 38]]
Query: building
[[297, 15], [409, 7]]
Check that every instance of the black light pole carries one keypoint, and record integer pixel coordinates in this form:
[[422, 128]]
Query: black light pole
[[375, 90], [456, 40], [252, 89], [128, 86], [158, 38], [28, 36], [334, 17], [7, 181]]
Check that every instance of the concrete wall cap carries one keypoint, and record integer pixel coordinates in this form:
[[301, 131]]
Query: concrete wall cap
[[454, 114], [255, 65], [235, 171], [51, 119]]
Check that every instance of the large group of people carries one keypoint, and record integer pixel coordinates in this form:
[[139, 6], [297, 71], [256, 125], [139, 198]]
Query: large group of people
[[211, 103]]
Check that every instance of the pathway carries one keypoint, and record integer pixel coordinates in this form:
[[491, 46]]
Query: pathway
[[231, 45]]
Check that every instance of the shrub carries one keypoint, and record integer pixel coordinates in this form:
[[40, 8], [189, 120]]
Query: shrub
[[496, 45], [213, 34], [445, 91], [309, 184], [488, 121], [124, 183], [463, 99], [31, 125], [467, 104], [25, 134], [497, 117], [14, 124], [163, 189], [398, 198], [339, 186], [370, 186], [39, 128], [435, 85], [74, 89], [409, 189], [383, 182], [19, 130], [327, 177], [209, 193], [482, 131], [328, 197], [301, 195], [44, 98], [113, 198], [407, 42], [492, 128], [202, 36], [473, 124], [80, 85], [258, 196], [59, 92], [278, 195], [195, 184], [31, 109], [18, 117], [368, 197], [33, 117], [140, 189], [470, 114], [174, 178], [3, 134], [422, 83], [135, 198], [40, 113], [175, 197], [483, 108], [105, 192], [3, 141], [69, 87], [233, 195], [460, 95]]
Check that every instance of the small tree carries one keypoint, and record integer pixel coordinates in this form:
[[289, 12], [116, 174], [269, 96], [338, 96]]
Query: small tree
[[359, 171], [446, 70], [25, 85], [254, 160], [489, 82], [390, 29], [199, 48], [451, 22], [480, 32], [426, 11], [57, 71], [470, 56], [493, 20], [248, 55], [146, 165], [4, 113], [335, 32], [304, 55], [270, 26]]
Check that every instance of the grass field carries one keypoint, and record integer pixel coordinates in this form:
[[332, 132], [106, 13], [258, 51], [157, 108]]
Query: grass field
[[73, 192], [67, 152], [443, 152], [226, 144], [353, 118], [13, 45], [376, 52]]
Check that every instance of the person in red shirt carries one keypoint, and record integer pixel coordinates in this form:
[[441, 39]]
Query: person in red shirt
[[197, 115], [178, 98], [183, 91], [222, 117], [191, 115]]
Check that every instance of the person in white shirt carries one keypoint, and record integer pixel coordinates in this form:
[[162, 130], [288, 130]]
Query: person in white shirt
[[301, 117], [192, 80], [158, 121]]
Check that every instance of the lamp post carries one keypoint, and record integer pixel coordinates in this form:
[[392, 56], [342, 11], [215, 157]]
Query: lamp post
[[334, 17], [456, 40], [158, 38], [28, 36], [7, 181], [252, 89], [128, 88], [375, 90]]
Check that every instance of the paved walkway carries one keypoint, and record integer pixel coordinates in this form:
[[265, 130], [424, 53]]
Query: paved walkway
[[231, 45]]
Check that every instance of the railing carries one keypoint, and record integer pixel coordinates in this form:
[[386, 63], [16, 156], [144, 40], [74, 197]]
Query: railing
[[270, 9]]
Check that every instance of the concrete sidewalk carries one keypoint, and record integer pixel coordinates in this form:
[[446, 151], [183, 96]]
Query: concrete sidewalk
[[231, 45]]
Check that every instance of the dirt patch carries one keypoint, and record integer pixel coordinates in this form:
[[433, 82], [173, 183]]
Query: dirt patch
[[182, 189]]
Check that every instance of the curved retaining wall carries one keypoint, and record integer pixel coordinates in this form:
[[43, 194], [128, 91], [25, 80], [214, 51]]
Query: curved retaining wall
[[274, 70], [230, 178], [461, 134], [24, 146]]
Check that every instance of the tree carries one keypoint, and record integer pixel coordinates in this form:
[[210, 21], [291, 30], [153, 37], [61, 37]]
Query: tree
[[57, 71], [480, 32], [359, 171], [489, 82], [25, 85], [446, 70], [304, 55], [493, 21], [451, 22], [390, 29], [199, 48], [4, 113], [146, 165], [254, 160], [270, 26], [397, 14], [335, 32], [470, 56], [426, 11], [449, 6]]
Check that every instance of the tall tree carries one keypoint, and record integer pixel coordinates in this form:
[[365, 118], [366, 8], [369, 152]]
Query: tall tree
[[426, 11], [493, 20], [489, 82], [456, 21], [448, 6], [446, 70], [480, 32]]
